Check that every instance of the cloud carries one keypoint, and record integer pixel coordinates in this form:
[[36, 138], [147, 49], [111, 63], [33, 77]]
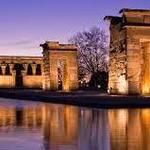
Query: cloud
[[25, 42], [17, 43]]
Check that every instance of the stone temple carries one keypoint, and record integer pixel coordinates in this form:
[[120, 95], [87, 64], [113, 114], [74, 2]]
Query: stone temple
[[129, 67], [56, 70]]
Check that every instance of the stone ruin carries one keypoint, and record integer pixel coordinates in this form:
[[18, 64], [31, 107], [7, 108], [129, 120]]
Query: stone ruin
[[129, 67]]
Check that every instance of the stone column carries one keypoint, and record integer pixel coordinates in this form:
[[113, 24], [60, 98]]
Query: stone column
[[23, 72], [25, 68], [53, 75], [13, 74], [11, 68], [33, 68], [3, 68]]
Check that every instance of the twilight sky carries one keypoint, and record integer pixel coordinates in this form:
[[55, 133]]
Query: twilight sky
[[24, 24]]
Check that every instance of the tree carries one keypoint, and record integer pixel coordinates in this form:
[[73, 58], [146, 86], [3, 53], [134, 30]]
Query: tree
[[99, 80], [92, 53]]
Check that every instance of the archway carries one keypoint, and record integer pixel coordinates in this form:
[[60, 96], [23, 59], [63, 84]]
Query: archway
[[62, 75], [29, 70], [1, 70], [60, 67], [60, 80], [38, 69], [18, 78], [7, 70]]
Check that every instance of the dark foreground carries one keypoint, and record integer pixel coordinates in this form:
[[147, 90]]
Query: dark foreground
[[80, 98]]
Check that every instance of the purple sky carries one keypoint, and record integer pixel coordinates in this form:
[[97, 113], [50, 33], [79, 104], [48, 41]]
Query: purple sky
[[24, 24]]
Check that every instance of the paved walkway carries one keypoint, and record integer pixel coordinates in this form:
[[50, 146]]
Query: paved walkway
[[79, 98]]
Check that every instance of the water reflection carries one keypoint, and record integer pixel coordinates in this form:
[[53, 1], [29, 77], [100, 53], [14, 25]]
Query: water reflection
[[40, 126]]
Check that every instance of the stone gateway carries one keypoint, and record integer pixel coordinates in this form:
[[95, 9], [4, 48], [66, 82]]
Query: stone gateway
[[56, 70], [60, 67], [129, 67]]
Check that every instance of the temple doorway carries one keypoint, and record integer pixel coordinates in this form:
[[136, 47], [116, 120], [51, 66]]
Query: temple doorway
[[60, 80], [62, 75], [18, 77]]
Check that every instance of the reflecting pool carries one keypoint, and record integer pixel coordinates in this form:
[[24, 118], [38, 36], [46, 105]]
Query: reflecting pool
[[26, 125]]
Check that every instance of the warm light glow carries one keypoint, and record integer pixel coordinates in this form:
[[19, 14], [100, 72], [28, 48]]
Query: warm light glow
[[146, 70], [122, 85], [146, 89], [146, 115], [119, 117], [122, 117]]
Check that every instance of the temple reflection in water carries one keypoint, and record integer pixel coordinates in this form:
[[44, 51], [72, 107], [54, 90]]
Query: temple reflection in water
[[62, 127]]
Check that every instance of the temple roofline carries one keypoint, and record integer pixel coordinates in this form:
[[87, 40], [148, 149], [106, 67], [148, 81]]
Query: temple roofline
[[133, 10], [137, 24], [111, 17], [54, 45], [20, 57]]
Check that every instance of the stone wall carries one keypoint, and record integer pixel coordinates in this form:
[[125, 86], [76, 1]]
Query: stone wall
[[59, 61], [6, 81], [129, 55], [117, 56], [32, 81], [13, 68], [63, 56]]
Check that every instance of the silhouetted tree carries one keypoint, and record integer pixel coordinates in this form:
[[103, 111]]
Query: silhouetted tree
[[92, 53], [99, 80]]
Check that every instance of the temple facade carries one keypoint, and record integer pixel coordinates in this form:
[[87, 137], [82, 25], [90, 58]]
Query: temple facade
[[20, 72], [129, 67], [60, 66], [56, 70]]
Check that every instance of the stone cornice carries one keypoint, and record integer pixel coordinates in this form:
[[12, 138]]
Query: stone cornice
[[134, 10], [50, 45]]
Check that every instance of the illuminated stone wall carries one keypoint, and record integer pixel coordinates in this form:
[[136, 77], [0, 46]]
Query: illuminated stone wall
[[15, 68], [6, 81], [56, 70], [63, 57], [129, 52]]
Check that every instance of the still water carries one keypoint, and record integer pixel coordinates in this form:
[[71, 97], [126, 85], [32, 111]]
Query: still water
[[40, 126]]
